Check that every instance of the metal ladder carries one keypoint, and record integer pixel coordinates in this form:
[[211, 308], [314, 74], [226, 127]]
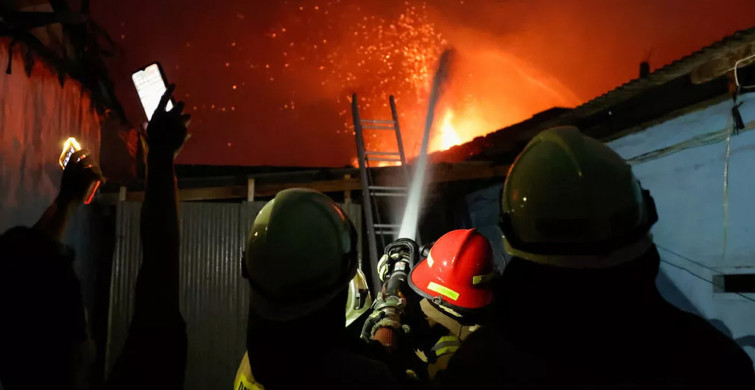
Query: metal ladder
[[378, 233]]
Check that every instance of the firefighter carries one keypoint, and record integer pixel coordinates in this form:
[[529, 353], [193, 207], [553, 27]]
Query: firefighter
[[300, 256], [578, 305], [454, 282]]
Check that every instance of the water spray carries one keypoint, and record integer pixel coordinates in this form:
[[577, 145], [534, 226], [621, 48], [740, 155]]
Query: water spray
[[399, 258], [411, 212]]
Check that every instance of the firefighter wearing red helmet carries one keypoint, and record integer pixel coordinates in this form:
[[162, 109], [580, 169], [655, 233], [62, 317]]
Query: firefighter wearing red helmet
[[455, 284]]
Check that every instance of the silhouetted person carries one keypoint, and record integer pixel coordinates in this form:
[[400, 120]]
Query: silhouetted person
[[300, 256], [578, 307], [42, 321], [154, 355]]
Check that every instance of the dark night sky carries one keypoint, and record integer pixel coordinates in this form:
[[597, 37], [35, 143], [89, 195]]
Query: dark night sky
[[267, 81]]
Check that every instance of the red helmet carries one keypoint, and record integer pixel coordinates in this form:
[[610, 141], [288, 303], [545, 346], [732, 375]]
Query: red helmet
[[457, 271]]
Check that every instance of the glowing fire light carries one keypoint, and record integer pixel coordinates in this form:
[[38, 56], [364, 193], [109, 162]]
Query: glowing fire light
[[448, 136], [70, 146], [347, 46]]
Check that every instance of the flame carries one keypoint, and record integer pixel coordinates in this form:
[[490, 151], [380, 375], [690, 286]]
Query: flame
[[448, 135]]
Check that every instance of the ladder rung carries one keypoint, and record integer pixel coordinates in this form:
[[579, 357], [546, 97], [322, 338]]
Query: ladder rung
[[384, 159], [369, 152], [397, 194], [387, 232], [386, 225], [376, 121], [378, 127], [387, 188]]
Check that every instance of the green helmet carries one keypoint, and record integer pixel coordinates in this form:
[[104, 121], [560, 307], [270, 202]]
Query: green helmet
[[300, 254], [571, 201]]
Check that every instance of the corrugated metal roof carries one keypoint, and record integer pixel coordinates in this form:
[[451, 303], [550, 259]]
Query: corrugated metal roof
[[214, 296], [678, 68]]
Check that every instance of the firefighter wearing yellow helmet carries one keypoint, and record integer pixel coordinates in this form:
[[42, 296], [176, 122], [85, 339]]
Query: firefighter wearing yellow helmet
[[577, 306], [300, 256]]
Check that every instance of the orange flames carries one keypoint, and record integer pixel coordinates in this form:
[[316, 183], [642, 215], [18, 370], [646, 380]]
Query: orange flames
[[378, 54], [447, 136], [460, 126]]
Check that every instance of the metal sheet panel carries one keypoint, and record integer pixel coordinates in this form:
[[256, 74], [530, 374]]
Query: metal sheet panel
[[126, 261], [214, 296]]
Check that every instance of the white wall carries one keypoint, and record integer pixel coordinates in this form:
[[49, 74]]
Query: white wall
[[688, 187], [484, 207]]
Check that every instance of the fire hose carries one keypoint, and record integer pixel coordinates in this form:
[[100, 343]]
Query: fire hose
[[385, 321]]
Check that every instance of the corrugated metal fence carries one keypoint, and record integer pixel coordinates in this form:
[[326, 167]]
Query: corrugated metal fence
[[214, 296]]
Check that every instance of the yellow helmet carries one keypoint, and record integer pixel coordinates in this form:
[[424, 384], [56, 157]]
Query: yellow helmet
[[571, 201]]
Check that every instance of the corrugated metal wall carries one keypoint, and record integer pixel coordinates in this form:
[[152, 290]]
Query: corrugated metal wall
[[214, 296]]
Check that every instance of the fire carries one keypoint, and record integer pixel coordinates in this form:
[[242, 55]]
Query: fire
[[448, 135], [319, 58], [458, 127]]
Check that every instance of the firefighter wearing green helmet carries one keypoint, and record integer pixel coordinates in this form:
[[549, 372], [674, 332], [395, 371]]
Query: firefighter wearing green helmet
[[577, 306], [300, 257]]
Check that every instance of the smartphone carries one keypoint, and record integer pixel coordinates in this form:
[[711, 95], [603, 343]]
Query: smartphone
[[70, 147], [150, 84]]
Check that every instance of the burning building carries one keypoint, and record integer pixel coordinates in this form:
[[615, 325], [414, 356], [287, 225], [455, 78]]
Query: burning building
[[271, 111]]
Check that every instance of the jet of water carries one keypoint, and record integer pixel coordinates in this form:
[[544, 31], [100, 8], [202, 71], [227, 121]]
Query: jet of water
[[414, 201]]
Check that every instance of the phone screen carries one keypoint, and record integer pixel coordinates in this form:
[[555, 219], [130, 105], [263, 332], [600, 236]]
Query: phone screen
[[70, 147], [150, 86]]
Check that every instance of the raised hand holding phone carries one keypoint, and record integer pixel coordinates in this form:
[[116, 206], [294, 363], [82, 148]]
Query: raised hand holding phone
[[81, 178], [167, 131], [151, 84]]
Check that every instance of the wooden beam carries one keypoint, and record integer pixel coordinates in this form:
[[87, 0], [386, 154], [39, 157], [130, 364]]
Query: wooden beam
[[338, 185], [723, 63], [439, 173], [347, 194], [189, 194], [444, 172], [250, 189]]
